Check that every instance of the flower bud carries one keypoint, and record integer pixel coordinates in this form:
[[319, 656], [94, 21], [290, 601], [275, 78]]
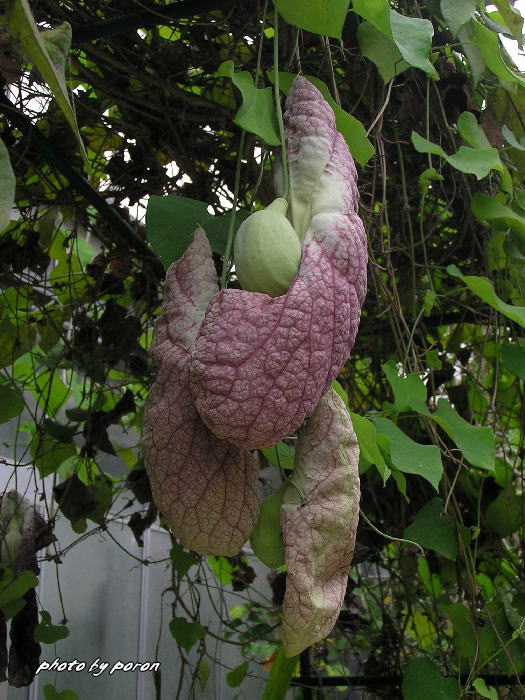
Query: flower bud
[[267, 251]]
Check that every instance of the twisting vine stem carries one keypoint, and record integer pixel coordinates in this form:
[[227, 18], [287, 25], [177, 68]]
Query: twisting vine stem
[[227, 253], [286, 181], [226, 262]]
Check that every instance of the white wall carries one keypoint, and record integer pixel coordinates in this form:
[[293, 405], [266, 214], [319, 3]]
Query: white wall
[[114, 607]]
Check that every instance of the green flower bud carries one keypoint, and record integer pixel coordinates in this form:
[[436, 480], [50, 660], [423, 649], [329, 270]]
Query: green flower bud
[[267, 251]]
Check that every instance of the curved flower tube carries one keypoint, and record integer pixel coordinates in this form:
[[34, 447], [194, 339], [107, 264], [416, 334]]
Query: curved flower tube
[[205, 488], [319, 516], [261, 364]]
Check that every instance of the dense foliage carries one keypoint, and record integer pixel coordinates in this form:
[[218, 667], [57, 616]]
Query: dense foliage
[[177, 100]]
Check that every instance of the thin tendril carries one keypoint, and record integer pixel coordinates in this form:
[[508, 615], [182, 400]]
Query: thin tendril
[[389, 537]]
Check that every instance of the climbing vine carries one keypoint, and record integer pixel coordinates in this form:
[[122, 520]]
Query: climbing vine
[[124, 127]]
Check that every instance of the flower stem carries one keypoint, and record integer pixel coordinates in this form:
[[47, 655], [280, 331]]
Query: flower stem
[[284, 159], [226, 260]]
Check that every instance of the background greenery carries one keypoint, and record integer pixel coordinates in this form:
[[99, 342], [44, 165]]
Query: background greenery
[[176, 100]]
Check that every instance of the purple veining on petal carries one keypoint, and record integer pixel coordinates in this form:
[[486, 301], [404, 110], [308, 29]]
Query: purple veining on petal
[[319, 532], [206, 488], [261, 364]]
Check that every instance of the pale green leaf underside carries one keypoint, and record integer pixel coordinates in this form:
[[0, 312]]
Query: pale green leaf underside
[[410, 457], [491, 209], [48, 51], [407, 38], [456, 14], [381, 50], [475, 161], [482, 287], [7, 187], [257, 112], [324, 17]]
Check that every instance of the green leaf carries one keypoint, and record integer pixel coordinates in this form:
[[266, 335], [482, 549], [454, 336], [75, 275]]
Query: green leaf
[[280, 677], [337, 669], [431, 581], [413, 38], [456, 14], [340, 392], [235, 678], [409, 456], [366, 434], [513, 356], [280, 455], [410, 394], [101, 492], [69, 280], [509, 137], [506, 514], [422, 679], [493, 20], [12, 608], [48, 51], [7, 187], [46, 633], [187, 634], [182, 560], [488, 44], [51, 693], [472, 53], [257, 112], [475, 161], [491, 209], [266, 539], [476, 442], [350, 128], [171, 222], [381, 50], [203, 673], [84, 250], [377, 12], [464, 634], [325, 17], [433, 529], [432, 359], [15, 340], [429, 301], [486, 691], [11, 402], [49, 454], [400, 480], [515, 620], [482, 287], [425, 179], [62, 433], [221, 568], [50, 391], [471, 132], [12, 590], [237, 612], [513, 20]]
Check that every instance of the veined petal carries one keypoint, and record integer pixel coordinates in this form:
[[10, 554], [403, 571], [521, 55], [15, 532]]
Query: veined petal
[[261, 364], [319, 516], [206, 488]]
